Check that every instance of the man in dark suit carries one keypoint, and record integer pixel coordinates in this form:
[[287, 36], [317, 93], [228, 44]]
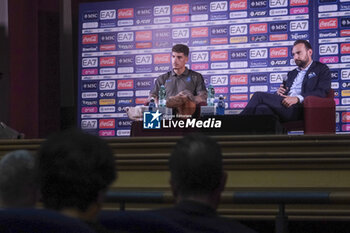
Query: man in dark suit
[[311, 78], [197, 180]]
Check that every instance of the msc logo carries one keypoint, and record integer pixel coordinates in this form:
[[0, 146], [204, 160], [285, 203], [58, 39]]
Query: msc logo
[[125, 13], [90, 62], [334, 75], [89, 124], [345, 48], [258, 3], [278, 27], [199, 56], [144, 11], [302, 25], [345, 22], [258, 78], [151, 120], [328, 23], [162, 34], [143, 35], [90, 86], [240, 29], [278, 52], [218, 6], [125, 60], [237, 5], [199, 32], [219, 31], [107, 85], [219, 80], [239, 54], [161, 10], [90, 39], [181, 33], [125, 36], [143, 59], [90, 15], [107, 14], [258, 28], [143, 83], [181, 9], [218, 55], [327, 49], [197, 8], [278, 3], [258, 53], [125, 84]]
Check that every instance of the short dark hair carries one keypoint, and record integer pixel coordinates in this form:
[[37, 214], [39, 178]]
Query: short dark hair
[[181, 48], [196, 165], [73, 167], [305, 42], [17, 177]]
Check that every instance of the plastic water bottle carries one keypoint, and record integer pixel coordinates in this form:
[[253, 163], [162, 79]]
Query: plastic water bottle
[[211, 96], [220, 109], [162, 96], [151, 105]]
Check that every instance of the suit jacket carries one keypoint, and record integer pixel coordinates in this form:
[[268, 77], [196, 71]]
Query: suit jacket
[[200, 218], [316, 82]]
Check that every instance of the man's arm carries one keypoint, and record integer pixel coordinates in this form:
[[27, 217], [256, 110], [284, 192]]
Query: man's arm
[[201, 91]]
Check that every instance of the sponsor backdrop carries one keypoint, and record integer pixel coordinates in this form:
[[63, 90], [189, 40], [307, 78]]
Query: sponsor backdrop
[[239, 46]]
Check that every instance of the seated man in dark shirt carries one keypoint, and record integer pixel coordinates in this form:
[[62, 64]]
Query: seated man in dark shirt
[[181, 84], [197, 180]]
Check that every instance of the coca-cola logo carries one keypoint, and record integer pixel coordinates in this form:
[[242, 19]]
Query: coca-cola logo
[[258, 28], [90, 39], [239, 79], [125, 13], [107, 123], [278, 52], [199, 32], [181, 9], [328, 23], [238, 5], [219, 56], [345, 48], [107, 61], [125, 84], [161, 58], [143, 35], [345, 117]]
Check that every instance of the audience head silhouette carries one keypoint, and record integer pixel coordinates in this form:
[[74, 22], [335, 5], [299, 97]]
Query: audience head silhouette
[[18, 186], [74, 170], [196, 169]]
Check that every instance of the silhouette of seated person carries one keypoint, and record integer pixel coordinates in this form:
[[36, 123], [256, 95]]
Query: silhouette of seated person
[[75, 170], [197, 181]]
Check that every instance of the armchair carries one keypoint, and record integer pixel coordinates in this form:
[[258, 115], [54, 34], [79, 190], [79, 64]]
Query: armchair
[[319, 116]]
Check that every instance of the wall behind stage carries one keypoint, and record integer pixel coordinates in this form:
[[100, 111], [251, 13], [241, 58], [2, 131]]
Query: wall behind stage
[[239, 46]]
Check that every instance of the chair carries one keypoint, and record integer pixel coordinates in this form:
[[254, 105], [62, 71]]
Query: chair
[[39, 221], [319, 116]]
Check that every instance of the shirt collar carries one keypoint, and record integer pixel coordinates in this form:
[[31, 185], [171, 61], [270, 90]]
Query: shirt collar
[[185, 73], [298, 69]]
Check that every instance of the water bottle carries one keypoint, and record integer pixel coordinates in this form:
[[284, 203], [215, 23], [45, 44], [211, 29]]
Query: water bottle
[[162, 96], [211, 96], [220, 109], [151, 105]]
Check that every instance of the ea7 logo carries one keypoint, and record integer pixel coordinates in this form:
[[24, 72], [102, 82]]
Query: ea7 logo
[[240, 29], [258, 53], [125, 36], [143, 59], [89, 124], [199, 56], [107, 85], [181, 33], [277, 77], [107, 14], [219, 80], [345, 48], [161, 10], [328, 49], [218, 6], [90, 62], [278, 3], [302, 25], [345, 74]]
